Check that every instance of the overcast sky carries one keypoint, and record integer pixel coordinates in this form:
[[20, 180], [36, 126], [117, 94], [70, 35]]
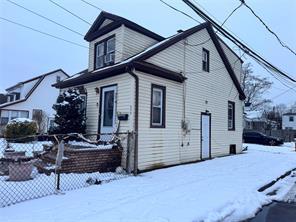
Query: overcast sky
[[25, 54]]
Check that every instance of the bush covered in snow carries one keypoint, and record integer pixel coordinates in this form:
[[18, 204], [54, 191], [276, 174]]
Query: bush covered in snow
[[20, 127], [70, 115]]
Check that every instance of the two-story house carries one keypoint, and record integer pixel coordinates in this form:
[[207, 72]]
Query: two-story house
[[32, 99], [289, 121], [181, 95]]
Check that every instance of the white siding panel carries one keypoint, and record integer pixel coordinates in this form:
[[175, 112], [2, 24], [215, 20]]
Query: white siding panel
[[159, 146], [204, 91], [234, 61], [135, 42], [124, 101]]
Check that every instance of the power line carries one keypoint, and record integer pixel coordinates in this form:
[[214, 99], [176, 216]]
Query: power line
[[172, 7], [235, 40], [221, 25], [283, 93], [44, 17], [44, 33], [267, 27], [94, 6], [234, 10], [58, 5]]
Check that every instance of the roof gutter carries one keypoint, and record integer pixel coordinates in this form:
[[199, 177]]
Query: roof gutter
[[130, 71]]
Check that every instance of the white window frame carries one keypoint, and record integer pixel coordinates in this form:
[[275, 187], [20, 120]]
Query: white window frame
[[160, 106], [107, 53], [100, 56]]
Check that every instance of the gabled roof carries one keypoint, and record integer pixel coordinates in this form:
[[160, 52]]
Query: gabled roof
[[289, 114], [151, 51], [36, 77], [94, 31], [39, 78]]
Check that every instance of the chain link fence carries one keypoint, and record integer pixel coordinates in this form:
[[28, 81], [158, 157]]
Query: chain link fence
[[33, 167]]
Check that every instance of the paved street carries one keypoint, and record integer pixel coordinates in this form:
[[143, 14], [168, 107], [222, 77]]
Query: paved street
[[279, 211]]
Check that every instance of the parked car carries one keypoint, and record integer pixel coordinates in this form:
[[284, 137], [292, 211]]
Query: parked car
[[261, 138]]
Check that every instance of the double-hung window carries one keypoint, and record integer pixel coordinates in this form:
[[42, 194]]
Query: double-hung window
[[205, 60], [7, 115], [157, 106], [105, 52], [231, 115], [291, 119]]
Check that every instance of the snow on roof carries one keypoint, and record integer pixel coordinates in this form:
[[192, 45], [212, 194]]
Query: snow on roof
[[289, 114], [253, 115]]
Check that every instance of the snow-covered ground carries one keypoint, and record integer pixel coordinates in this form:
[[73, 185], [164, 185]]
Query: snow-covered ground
[[42, 185], [29, 147], [222, 189]]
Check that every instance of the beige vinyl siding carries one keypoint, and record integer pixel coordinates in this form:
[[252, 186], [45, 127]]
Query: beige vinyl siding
[[127, 44], [135, 42], [234, 60], [204, 91], [159, 146], [124, 101], [118, 47]]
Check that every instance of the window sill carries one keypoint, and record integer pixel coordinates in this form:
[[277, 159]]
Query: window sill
[[153, 126]]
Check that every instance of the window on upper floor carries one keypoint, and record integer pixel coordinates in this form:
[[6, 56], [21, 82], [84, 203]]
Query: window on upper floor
[[291, 119], [205, 60], [157, 106], [105, 52], [58, 78], [231, 115]]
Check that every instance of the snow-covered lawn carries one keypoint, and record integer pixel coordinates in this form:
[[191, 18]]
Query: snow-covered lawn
[[222, 189]]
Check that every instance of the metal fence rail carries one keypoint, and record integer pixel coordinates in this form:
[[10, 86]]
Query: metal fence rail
[[38, 166]]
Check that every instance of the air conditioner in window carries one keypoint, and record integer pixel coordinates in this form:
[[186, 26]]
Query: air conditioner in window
[[109, 58]]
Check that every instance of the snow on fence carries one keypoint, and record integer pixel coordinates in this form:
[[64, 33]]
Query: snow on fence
[[38, 166]]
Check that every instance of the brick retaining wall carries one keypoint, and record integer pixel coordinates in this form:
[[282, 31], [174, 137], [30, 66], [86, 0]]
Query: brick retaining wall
[[88, 160]]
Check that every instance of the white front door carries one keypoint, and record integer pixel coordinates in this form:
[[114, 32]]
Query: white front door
[[205, 136], [108, 112]]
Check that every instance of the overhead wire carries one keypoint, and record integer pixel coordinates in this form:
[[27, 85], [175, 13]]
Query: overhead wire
[[41, 32], [44, 17], [268, 28], [73, 14]]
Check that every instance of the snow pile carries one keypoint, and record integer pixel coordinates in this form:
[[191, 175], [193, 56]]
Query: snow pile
[[76, 144], [222, 189], [285, 148], [19, 120], [28, 147]]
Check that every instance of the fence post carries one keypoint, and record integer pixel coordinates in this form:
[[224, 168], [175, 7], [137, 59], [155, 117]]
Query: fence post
[[59, 160], [58, 181], [128, 169]]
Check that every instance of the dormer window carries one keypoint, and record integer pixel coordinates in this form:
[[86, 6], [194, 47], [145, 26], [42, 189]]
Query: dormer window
[[105, 52]]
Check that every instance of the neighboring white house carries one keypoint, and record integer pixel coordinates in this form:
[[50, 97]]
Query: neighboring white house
[[181, 95], [255, 120], [289, 121], [32, 99]]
